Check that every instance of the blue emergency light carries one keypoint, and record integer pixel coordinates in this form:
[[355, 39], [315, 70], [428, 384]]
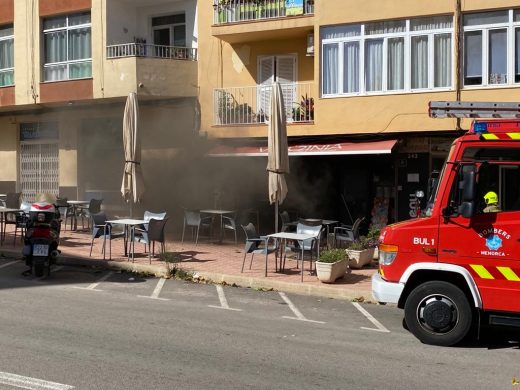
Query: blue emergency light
[[480, 127]]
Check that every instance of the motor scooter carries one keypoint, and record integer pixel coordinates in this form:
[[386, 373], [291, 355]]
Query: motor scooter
[[42, 235]]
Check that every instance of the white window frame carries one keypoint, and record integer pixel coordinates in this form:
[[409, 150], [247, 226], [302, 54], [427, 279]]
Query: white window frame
[[7, 70], [66, 29], [171, 27], [510, 26], [362, 38]]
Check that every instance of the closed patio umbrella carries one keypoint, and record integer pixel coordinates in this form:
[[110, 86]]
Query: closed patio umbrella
[[277, 149], [132, 187]]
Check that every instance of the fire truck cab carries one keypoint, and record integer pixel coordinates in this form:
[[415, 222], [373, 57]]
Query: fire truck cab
[[458, 264]]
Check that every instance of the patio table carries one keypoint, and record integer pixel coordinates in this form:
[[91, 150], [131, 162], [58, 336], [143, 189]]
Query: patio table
[[3, 212], [221, 213], [284, 236], [129, 237]]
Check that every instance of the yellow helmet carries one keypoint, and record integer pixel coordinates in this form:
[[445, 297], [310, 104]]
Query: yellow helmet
[[491, 197]]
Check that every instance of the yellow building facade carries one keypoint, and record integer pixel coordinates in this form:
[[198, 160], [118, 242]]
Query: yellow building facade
[[357, 77], [354, 74], [66, 68]]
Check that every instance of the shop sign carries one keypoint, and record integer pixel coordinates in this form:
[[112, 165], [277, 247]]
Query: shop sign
[[38, 131], [293, 7]]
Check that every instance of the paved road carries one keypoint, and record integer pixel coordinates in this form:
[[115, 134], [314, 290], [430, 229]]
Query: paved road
[[93, 329]]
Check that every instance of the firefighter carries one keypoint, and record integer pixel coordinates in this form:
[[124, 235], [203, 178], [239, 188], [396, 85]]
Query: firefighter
[[491, 199]]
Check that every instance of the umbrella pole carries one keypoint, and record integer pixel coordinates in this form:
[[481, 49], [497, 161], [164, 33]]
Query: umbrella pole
[[276, 217], [131, 209]]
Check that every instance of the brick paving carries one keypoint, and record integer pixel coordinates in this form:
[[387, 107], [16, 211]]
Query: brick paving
[[221, 260]]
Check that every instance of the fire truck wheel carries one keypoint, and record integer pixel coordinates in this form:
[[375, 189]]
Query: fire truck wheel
[[438, 313]]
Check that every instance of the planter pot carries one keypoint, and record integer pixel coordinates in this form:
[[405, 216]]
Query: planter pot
[[357, 259], [329, 272]]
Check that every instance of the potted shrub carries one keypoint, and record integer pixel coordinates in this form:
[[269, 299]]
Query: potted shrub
[[332, 264], [360, 253], [373, 240]]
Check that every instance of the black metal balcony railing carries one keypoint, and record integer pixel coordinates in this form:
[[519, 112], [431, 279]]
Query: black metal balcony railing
[[152, 51], [229, 11]]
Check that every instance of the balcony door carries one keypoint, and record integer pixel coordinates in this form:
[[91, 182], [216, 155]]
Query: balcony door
[[280, 68], [169, 30]]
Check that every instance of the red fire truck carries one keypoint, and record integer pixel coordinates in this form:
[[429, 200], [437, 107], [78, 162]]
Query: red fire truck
[[458, 265]]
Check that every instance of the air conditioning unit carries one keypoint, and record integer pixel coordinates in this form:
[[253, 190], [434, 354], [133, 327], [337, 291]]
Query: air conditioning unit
[[310, 44]]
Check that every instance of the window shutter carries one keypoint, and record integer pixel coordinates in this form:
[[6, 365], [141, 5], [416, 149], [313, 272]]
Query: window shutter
[[266, 79], [285, 75]]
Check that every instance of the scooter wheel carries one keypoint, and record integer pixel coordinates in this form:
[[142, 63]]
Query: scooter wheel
[[39, 269]]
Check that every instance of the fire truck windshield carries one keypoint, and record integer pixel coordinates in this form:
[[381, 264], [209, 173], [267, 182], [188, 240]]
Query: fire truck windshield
[[435, 185]]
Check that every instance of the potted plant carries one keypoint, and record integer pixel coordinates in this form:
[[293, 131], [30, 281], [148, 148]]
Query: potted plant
[[360, 253], [331, 265], [304, 111], [373, 240]]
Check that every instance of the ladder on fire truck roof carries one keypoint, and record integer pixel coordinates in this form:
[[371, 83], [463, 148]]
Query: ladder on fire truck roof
[[440, 109]]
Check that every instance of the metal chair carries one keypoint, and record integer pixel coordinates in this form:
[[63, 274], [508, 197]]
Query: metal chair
[[148, 215], [347, 234], [21, 220], [287, 225], [94, 207], [256, 244], [65, 210], [229, 223], [152, 234], [311, 246], [12, 201], [193, 220], [100, 228]]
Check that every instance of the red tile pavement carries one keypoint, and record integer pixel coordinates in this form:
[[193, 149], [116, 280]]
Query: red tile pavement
[[222, 262]]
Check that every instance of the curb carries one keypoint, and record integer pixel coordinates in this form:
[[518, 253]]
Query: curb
[[295, 288], [351, 294]]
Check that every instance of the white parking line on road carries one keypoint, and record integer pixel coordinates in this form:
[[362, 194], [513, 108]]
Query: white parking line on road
[[379, 326], [223, 300], [8, 264], [297, 313], [93, 286], [157, 291], [25, 382]]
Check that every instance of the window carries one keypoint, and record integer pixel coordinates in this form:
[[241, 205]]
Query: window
[[397, 55], [6, 56], [498, 171], [169, 30], [487, 37], [67, 47]]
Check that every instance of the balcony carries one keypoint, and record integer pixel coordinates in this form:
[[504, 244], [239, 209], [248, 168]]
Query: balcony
[[231, 11], [159, 71], [251, 105], [152, 51], [237, 21]]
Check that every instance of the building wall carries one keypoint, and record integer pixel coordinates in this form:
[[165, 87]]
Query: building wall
[[402, 112], [6, 11], [8, 150]]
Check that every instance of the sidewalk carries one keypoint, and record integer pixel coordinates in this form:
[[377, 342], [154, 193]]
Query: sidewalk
[[210, 262]]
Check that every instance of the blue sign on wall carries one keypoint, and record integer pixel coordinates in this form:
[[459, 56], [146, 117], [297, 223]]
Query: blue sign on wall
[[38, 130]]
